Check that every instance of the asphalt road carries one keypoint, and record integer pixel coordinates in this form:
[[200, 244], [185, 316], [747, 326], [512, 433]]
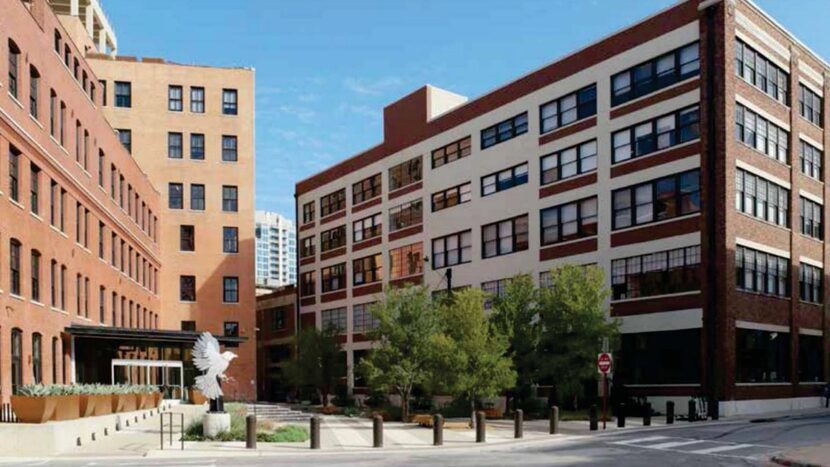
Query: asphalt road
[[700, 444]]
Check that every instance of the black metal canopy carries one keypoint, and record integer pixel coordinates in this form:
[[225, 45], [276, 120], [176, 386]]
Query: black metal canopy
[[130, 336]]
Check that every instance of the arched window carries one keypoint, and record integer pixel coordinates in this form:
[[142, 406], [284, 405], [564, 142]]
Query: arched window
[[14, 60], [53, 113], [57, 42], [34, 83], [14, 267], [35, 275], [17, 359], [55, 356], [37, 359]]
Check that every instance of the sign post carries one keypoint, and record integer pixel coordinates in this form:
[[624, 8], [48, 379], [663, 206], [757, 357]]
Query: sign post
[[604, 364]]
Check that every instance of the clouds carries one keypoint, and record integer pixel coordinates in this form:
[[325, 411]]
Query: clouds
[[373, 88]]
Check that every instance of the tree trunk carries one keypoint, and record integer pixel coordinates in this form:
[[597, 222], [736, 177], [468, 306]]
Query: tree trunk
[[405, 406], [473, 412]]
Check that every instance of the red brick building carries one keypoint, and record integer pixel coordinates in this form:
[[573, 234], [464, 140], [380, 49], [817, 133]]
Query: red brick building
[[276, 326], [683, 155]]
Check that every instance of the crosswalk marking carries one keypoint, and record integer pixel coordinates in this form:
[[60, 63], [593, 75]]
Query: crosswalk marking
[[728, 447], [674, 444], [641, 440]]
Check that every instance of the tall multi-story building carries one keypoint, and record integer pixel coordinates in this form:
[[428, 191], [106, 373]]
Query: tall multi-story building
[[276, 250], [683, 155], [78, 249], [191, 128]]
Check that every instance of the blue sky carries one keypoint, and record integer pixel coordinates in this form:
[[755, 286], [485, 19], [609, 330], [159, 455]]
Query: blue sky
[[325, 69]]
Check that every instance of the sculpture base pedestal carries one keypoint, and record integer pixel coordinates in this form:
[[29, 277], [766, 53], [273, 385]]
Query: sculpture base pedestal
[[215, 423]]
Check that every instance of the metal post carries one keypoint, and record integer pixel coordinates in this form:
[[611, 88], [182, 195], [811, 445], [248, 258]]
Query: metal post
[[171, 429], [437, 430], [669, 412], [181, 421], [315, 432], [161, 431], [480, 427], [692, 410], [377, 431], [647, 415], [250, 431], [621, 415], [554, 420], [518, 420], [593, 423]]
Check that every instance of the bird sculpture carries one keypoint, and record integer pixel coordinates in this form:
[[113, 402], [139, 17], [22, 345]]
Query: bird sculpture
[[208, 358]]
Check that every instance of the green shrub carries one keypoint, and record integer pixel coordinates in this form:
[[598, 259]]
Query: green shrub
[[284, 434], [457, 408]]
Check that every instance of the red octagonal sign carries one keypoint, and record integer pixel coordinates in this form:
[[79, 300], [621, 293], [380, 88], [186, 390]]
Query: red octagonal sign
[[604, 363]]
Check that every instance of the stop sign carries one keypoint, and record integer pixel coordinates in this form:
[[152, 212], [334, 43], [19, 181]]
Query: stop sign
[[604, 362]]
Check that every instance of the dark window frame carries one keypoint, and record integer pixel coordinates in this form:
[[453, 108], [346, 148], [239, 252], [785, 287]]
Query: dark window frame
[[504, 130], [516, 243], [643, 145], [333, 202], [441, 252], [406, 173], [333, 238], [367, 189], [678, 198], [774, 283], [375, 228], [584, 106], [583, 227], [452, 152], [453, 196], [175, 103], [773, 81], [405, 215], [655, 81], [367, 270], [516, 178], [581, 154], [333, 278]]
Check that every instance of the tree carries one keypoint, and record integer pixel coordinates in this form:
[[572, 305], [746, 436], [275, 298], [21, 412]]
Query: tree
[[471, 354], [574, 323], [319, 363], [407, 329]]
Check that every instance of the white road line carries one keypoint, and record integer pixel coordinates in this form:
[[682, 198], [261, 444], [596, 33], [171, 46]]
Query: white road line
[[674, 444], [640, 440], [728, 447]]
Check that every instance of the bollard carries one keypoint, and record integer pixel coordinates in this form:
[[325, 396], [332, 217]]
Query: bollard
[[438, 430], [692, 410], [592, 418], [554, 420], [377, 431], [518, 421], [250, 431], [315, 432], [481, 427], [669, 413], [647, 415], [621, 415]]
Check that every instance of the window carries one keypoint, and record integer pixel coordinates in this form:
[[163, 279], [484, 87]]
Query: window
[[101, 233], [452, 152], [810, 283], [229, 198], [308, 212], [54, 360], [14, 174], [811, 161], [229, 148], [504, 180], [503, 131], [451, 197], [307, 284], [229, 101], [656, 135], [568, 109], [569, 221], [362, 318], [334, 319], [334, 238], [569, 162], [187, 288], [188, 326], [405, 174], [37, 359], [197, 146], [34, 84], [366, 189], [187, 238], [103, 85], [230, 289], [34, 189], [367, 270], [14, 59], [758, 133], [231, 328], [406, 261], [126, 138], [366, 228], [494, 289], [760, 272], [333, 277], [62, 124], [655, 74], [452, 249], [811, 218], [761, 198], [197, 100], [307, 247], [664, 272], [810, 105], [756, 70], [762, 356], [17, 360], [174, 145], [278, 317], [657, 200], [230, 239], [123, 94], [174, 98], [175, 195], [14, 267], [101, 165], [504, 237], [405, 215], [197, 197], [333, 202], [57, 49], [661, 357], [53, 113]]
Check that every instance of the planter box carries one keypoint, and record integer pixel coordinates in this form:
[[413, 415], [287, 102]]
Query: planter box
[[196, 397], [130, 402], [103, 404], [33, 409], [67, 408], [144, 400], [156, 399], [117, 402], [493, 414]]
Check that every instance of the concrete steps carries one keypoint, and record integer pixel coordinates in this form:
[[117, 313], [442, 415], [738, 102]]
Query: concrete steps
[[277, 413]]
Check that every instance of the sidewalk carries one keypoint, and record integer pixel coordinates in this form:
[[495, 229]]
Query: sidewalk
[[811, 456]]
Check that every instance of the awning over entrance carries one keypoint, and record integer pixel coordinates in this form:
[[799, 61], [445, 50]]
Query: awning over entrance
[[144, 337]]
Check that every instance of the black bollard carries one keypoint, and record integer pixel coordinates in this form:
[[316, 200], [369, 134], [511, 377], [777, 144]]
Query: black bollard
[[669, 413], [377, 431], [621, 415], [250, 431], [592, 418], [714, 409], [692, 410], [554, 420], [315, 432], [480, 427], [647, 415], [437, 430], [518, 421]]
